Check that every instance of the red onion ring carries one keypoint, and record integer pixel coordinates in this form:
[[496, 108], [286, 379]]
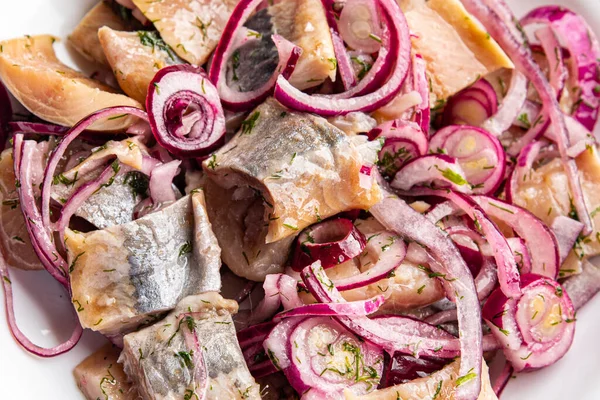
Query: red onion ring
[[175, 91], [471, 106], [20, 336], [583, 46], [469, 145], [244, 101], [331, 242], [351, 308], [498, 19], [538, 237], [399, 217], [510, 107], [344, 63], [437, 170], [537, 329], [553, 51], [161, 182], [362, 97]]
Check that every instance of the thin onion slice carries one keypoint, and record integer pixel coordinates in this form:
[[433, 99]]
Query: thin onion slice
[[510, 107], [364, 99]]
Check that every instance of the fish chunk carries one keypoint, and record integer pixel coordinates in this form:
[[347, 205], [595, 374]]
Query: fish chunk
[[84, 37], [114, 203], [282, 172], [429, 387], [191, 27], [303, 23], [160, 361], [100, 376], [135, 57], [51, 90], [545, 192], [453, 44], [129, 274]]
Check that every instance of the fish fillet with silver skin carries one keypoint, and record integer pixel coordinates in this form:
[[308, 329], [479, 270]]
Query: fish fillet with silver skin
[[160, 361], [281, 173], [128, 275]]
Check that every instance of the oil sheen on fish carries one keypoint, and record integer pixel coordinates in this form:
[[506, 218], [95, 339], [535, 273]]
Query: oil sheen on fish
[[100, 376], [161, 362], [281, 173], [129, 274], [54, 92]]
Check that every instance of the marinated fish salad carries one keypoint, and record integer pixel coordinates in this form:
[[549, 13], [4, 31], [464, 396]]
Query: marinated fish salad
[[315, 199]]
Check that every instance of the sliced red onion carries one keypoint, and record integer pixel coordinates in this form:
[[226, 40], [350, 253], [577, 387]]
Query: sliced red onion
[[399, 217], [538, 328], [538, 237], [508, 274], [480, 155], [498, 20], [436, 170], [390, 251], [20, 336], [400, 129], [523, 166], [395, 153], [584, 286], [185, 111], [80, 196], [394, 65], [161, 182], [421, 83], [567, 231], [359, 25], [60, 150], [344, 63], [440, 211], [539, 128], [255, 334], [331, 242], [351, 308], [276, 343], [583, 46], [521, 253], [279, 289], [510, 107], [581, 138], [471, 106], [37, 127], [328, 358], [556, 66], [41, 240], [365, 177]]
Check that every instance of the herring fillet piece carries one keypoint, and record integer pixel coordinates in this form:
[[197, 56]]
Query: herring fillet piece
[[135, 57], [281, 173], [100, 376], [129, 274], [84, 37], [152, 357], [54, 92], [191, 27]]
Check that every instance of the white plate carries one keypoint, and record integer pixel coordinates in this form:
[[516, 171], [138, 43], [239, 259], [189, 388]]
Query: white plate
[[43, 309]]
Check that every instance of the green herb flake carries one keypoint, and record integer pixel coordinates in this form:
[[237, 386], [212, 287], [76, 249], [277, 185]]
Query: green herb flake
[[248, 124], [72, 266], [461, 380], [186, 248]]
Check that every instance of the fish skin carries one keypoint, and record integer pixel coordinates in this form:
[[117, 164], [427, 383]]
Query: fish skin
[[84, 37], [100, 375], [304, 168], [133, 63], [148, 354], [113, 204], [129, 274], [54, 92], [303, 23], [180, 24]]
